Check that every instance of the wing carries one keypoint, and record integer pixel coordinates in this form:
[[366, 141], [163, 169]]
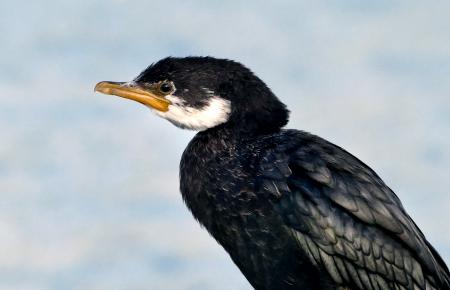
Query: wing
[[346, 219]]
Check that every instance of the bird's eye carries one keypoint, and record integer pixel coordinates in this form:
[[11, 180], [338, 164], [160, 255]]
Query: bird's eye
[[166, 87]]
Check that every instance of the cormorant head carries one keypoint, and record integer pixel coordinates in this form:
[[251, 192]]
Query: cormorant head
[[203, 92]]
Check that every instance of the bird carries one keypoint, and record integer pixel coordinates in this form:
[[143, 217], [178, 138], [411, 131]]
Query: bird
[[292, 210]]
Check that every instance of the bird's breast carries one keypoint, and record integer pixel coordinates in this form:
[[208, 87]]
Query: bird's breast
[[214, 183]]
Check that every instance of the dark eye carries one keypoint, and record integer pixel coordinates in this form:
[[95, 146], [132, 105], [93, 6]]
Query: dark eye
[[165, 87]]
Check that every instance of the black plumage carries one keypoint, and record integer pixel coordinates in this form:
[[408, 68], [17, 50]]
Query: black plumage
[[293, 210]]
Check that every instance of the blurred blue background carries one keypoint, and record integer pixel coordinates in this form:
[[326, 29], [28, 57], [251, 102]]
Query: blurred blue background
[[89, 183]]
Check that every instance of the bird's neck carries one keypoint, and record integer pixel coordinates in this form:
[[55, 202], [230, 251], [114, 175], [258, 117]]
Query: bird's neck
[[219, 139], [227, 136]]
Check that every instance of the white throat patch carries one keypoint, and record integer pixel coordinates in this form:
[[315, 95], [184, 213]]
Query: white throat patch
[[215, 112]]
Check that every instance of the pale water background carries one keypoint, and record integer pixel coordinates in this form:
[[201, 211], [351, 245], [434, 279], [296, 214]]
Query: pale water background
[[88, 183]]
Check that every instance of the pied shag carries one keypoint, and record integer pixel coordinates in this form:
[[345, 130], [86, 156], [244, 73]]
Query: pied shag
[[292, 210]]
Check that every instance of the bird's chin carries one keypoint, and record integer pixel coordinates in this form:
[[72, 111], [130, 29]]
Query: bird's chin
[[214, 112]]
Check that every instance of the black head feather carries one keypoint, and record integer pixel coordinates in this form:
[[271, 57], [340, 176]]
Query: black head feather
[[254, 108]]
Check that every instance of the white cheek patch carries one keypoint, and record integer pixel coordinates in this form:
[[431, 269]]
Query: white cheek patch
[[215, 112]]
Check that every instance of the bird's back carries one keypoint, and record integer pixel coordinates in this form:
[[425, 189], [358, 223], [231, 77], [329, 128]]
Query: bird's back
[[297, 212]]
